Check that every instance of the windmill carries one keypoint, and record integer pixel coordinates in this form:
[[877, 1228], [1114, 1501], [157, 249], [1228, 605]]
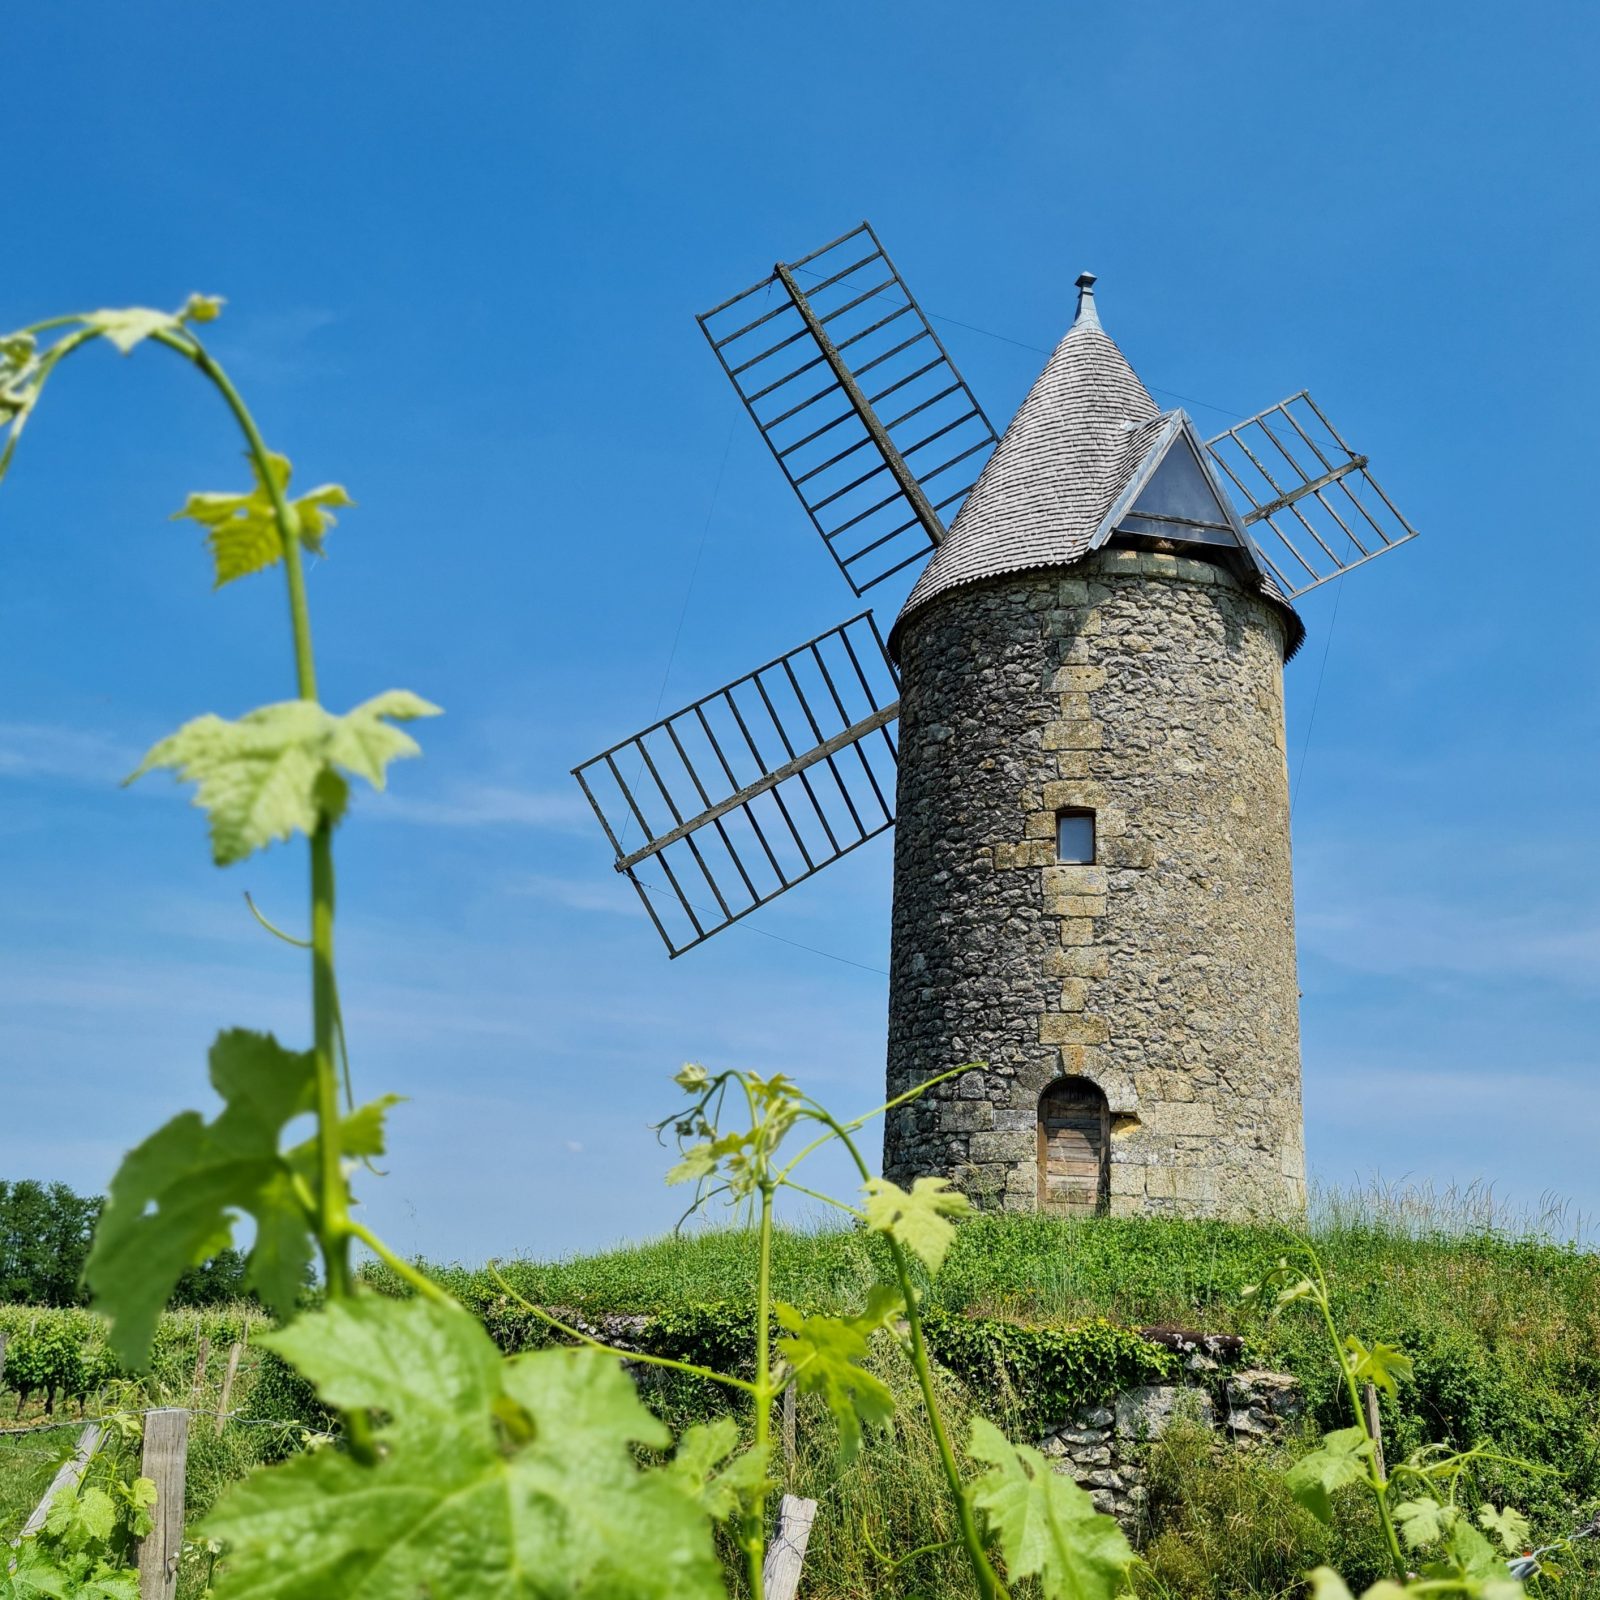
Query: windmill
[[1076, 716]]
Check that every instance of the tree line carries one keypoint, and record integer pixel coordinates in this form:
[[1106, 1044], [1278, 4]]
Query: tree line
[[45, 1233]]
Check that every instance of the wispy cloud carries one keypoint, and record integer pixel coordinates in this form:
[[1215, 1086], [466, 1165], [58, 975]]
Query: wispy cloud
[[72, 755], [605, 893], [487, 805], [1395, 934], [275, 346]]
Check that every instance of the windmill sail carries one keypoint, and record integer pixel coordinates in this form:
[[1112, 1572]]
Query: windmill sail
[[1314, 509], [722, 806], [858, 400]]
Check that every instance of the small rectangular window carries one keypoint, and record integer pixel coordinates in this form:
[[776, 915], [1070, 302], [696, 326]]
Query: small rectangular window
[[1075, 837]]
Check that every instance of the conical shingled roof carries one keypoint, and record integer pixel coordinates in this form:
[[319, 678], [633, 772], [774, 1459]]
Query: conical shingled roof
[[1074, 445], [1067, 453]]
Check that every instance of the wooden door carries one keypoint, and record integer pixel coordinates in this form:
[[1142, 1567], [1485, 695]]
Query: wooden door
[[1074, 1140]]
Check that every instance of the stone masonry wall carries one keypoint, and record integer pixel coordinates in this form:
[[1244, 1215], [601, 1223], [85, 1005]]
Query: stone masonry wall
[[1149, 688], [1103, 1448]]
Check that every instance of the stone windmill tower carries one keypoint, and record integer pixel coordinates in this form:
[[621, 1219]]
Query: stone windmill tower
[[1092, 888]]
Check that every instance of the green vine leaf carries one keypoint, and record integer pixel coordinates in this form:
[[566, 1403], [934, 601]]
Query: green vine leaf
[[741, 1158], [1047, 1526], [79, 1517], [361, 1134], [1382, 1365], [701, 1160], [19, 367], [173, 1199], [1423, 1522], [700, 1466], [826, 1354], [361, 1138], [23, 372], [1509, 1526], [130, 327], [140, 1498], [242, 529], [274, 772], [919, 1220], [1340, 1459], [1326, 1584], [496, 1480], [36, 1573]]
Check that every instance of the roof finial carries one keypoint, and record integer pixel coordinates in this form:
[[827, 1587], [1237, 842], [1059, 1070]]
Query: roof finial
[[1086, 311]]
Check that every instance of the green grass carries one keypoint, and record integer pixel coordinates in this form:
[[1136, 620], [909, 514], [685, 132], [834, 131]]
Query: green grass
[[1504, 1323], [27, 1464]]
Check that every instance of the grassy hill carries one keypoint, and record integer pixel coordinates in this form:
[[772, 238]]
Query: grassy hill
[[1503, 1325]]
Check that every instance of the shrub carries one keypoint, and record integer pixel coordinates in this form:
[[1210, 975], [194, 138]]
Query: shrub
[[1040, 1376], [1222, 1525]]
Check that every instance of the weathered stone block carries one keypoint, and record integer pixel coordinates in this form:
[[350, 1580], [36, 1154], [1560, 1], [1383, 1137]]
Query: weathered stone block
[[1074, 994], [1028, 853], [1075, 879], [1073, 1028], [1202, 1185], [967, 1116], [1078, 961], [1161, 1182], [1092, 1437], [999, 1147], [1074, 905], [1079, 1060], [1148, 1411], [1077, 931], [1127, 1182], [1077, 680], [1078, 734], [1194, 1116], [1118, 561], [1263, 1402], [1066, 793]]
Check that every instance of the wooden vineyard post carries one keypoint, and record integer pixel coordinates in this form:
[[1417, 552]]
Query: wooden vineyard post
[[2, 1357], [786, 1554], [1374, 1427], [789, 1432], [66, 1477], [166, 1452], [234, 1351]]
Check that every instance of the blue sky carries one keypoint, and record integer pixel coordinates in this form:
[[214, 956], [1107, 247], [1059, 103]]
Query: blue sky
[[463, 248]]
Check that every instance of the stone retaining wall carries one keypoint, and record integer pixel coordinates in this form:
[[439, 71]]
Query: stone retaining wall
[[1103, 1448]]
